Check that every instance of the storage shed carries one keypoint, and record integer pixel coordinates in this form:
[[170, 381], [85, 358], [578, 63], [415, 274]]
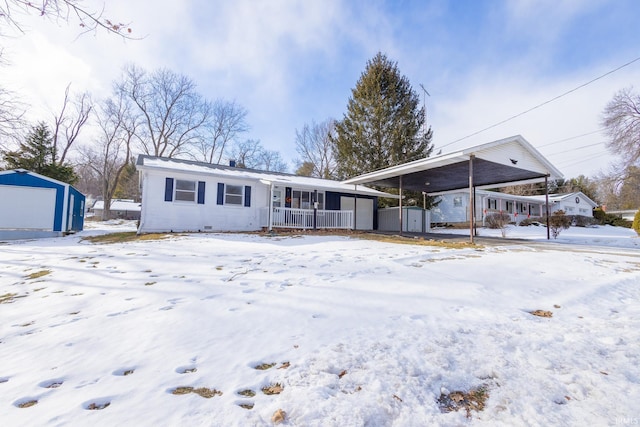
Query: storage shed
[[36, 206]]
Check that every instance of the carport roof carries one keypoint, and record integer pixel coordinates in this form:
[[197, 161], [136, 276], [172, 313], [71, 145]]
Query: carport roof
[[508, 161]]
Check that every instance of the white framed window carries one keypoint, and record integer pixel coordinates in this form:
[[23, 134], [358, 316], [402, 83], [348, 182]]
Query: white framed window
[[277, 198], [233, 195], [185, 191], [303, 199], [492, 204], [508, 206]]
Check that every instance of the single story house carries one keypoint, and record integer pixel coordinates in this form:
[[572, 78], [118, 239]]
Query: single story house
[[36, 206], [453, 207], [120, 209], [182, 195]]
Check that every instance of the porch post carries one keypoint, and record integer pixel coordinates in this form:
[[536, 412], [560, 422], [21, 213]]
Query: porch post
[[315, 209], [472, 200], [475, 226], [400, 205], [546, 196], [271, 207]]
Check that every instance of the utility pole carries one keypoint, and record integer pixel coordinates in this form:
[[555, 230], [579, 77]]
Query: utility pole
[[424, 105]]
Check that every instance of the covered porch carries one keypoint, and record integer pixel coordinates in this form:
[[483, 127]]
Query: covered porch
[[313, 219]]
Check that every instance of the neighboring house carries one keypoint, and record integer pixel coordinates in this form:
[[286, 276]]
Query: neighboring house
[[628, 214], [120, 209], [36, 206], [182, 195], [454, 206]]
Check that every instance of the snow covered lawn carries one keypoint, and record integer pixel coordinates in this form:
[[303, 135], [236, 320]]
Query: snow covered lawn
[[190, 329]]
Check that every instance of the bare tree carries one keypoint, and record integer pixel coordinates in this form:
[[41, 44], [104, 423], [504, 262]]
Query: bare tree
[[112, 150], [12, 121], [314, 145], [271, 160], [251, 154], [68, 123], [174, 117], [246, 153], [227, 122], [621, 118], [67, 10]]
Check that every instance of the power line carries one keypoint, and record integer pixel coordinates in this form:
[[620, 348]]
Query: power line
[[570, 138], [544, 103], [582, 160], [575, 149]]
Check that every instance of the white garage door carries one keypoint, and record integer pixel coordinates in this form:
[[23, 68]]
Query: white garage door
[[363, 211], [27, 207]]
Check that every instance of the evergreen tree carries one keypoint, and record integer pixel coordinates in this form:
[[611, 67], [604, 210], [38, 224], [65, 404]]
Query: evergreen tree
[[128, 185], [384, 124], [37, 154]]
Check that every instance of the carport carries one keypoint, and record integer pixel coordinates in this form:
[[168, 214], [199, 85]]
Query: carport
[[509, 161]]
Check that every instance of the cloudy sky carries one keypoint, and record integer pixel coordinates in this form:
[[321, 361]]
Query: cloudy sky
[[293, 62]]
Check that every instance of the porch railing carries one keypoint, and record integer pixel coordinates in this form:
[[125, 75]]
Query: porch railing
[[303, 218]]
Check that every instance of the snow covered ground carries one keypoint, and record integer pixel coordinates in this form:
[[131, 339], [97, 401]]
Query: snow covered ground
[[361, 332]]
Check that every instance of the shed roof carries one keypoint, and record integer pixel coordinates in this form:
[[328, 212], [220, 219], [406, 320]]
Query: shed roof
[[565, 196], [119, 205], [267, 177], [508, 161]]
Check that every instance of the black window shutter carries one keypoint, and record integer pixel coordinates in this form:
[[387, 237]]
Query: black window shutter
[[247, 196], [201, 192], [168, 189], [220, 193]]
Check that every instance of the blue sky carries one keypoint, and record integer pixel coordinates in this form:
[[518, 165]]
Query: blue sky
[[292, 62]]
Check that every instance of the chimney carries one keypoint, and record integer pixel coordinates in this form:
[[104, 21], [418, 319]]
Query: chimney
[[232, 163]]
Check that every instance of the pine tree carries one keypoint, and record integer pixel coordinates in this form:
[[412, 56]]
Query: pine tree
[[384, 124], [37, 154]]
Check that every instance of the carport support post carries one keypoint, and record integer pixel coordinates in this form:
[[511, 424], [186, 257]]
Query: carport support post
[[400, 204], [472, 201], [546, 196]]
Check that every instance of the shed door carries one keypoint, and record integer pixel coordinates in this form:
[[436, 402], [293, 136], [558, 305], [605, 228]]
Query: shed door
[[27, 207], [363, 211], [414, 221]]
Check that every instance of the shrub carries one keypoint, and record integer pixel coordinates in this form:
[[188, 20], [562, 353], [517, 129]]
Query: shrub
[[498, 221], [609, 219], [636, 222], [558, 222], [531, 221], [583, 221]]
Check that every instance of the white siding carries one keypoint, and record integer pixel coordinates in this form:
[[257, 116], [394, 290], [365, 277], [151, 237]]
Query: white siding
[[447, 211], [505, 153], [159, 215]]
